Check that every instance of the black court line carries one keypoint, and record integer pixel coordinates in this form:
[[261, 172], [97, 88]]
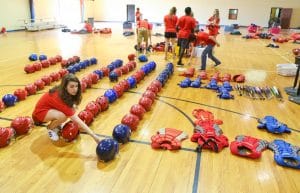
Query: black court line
[[211, 106], [215, 107], [197, 173], [198, 161]]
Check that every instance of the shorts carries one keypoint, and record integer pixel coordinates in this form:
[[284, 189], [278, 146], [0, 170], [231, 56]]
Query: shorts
[[170, 35], [142, 34], [38, 118]]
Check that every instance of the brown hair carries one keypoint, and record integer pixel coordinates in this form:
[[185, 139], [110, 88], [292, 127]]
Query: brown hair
[[173, 11], [217, 13], [63, 93]]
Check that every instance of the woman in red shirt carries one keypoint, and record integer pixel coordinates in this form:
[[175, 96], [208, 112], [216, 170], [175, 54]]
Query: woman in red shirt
[[170, 21], [213, 23], [57, 105]]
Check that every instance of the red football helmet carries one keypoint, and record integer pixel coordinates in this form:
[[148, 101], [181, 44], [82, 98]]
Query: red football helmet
[[6, 133], [131, 121], [40, 84], [146, 103], [93, 107], [103, 102], [47, 79], [157, 84], [138, 110], [21, 94], [70, 131], [131, 57], [119, 89], [22, 124], [151, 95], [86, 116]]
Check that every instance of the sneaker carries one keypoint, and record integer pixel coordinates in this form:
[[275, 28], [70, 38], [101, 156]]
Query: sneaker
[[179, 64], [53, 135], [217, 64]]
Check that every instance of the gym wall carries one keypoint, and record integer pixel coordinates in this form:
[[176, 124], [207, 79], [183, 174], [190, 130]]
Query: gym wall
[[254, 11], [12, 12]]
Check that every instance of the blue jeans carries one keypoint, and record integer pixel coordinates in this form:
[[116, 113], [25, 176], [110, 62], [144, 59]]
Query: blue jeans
[[208, 52]]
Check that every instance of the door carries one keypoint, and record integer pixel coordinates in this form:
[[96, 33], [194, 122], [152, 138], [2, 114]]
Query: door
[[285, 17], [130, 13], [274, 16]]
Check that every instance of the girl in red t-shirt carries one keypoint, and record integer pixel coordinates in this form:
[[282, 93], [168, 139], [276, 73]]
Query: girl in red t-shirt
[[213, 23], [170, 21], [57, 105]]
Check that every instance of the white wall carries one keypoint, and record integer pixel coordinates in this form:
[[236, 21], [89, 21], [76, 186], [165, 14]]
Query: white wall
[[11, 13], [250, 11]]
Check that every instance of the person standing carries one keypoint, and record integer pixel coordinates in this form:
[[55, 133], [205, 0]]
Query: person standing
[[138, 15], [59, 104], [214, 23], [210, 41], [143, 29], [170, 22], [185, 26]]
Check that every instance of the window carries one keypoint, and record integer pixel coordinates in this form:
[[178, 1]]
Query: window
[[233, 13]]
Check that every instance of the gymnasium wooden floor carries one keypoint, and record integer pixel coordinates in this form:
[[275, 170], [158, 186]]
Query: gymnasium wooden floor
[[32, 163]]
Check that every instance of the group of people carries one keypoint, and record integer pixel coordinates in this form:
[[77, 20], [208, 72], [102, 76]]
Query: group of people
[[185, 31], [60, 103]]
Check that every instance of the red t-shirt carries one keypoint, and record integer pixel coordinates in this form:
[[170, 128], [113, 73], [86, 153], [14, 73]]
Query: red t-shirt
[[51, 101], [138, 16], [186, 24], [144, 24], [88, 27], [214, 20], [202, 38], [170, 23]]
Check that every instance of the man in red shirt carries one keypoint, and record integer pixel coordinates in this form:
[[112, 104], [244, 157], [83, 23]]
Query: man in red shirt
[[210, 41], [138, 15], [143, 29], [170, 21], [185, 26]]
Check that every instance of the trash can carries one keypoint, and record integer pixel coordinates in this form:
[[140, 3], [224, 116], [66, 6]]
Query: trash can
[[91, 21]]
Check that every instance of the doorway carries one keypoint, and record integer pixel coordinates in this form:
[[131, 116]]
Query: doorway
[[131, 13], [280, 16]]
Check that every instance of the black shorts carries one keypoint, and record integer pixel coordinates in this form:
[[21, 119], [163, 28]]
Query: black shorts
[[170, 35]]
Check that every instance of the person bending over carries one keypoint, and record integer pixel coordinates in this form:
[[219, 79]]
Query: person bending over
[[59, 104]]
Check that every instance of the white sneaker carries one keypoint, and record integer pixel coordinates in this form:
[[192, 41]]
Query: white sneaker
[[53, 134]]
